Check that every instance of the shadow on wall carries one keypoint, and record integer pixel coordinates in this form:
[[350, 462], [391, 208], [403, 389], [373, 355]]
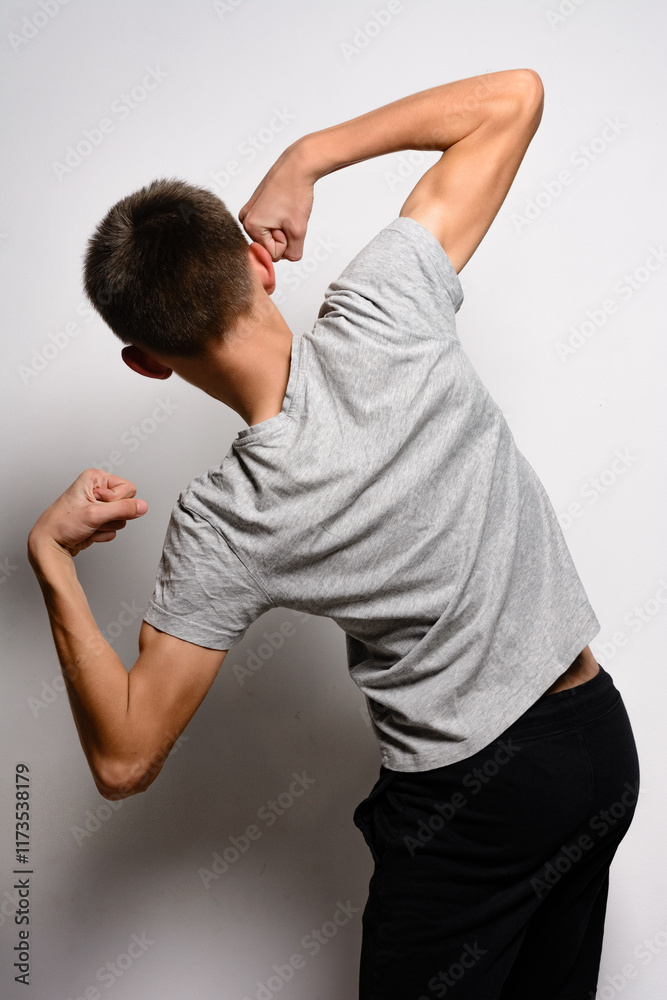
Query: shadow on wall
[[254, 805]]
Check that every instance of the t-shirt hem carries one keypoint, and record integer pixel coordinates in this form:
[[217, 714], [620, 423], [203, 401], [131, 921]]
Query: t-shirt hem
[[190, 631], [451, 753]]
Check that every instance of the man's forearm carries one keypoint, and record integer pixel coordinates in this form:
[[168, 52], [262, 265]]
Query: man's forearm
[[432, 119], [96, 680]]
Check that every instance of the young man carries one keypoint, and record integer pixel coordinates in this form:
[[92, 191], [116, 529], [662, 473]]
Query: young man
[[377, 483]]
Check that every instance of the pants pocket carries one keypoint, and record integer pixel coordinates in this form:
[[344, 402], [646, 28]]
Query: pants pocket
[[373, 817]]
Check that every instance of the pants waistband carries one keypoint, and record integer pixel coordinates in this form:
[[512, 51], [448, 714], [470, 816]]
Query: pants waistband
[[568, 708]]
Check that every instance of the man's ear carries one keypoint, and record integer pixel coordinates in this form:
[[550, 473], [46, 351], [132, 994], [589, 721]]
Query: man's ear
[[259, 259], [143, 363]]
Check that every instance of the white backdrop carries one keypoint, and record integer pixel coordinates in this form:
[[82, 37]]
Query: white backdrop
[[564, 320]]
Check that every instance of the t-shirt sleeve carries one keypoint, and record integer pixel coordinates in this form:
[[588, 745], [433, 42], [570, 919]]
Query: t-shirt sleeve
[[402, 283], [203, 591]]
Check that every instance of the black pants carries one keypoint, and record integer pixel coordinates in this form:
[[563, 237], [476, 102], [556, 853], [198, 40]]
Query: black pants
[[491, 874]]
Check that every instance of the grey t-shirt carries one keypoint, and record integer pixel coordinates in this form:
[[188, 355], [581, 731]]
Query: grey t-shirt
[[388, 495]]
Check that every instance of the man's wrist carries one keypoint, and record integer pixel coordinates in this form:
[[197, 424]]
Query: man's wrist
[[307, 156], [46, 556]]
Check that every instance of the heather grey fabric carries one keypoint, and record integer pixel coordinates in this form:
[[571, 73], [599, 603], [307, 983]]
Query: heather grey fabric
[[389, 495]]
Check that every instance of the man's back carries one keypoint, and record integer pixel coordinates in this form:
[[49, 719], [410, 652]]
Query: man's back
[[389, 495]]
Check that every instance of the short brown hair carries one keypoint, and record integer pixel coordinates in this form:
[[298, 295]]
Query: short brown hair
[[167, 268]]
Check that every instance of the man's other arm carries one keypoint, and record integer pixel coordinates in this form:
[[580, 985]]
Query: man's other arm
[[458, 198], [127, 721], [483, 125]]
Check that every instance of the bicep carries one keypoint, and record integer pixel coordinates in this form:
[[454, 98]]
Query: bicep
[[166, 686], [458, 198]]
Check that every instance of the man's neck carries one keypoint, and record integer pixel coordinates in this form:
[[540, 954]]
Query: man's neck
[[249, 370], [254, 367], [260, 383]]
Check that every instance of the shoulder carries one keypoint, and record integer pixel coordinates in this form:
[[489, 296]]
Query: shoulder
[[403, 262]]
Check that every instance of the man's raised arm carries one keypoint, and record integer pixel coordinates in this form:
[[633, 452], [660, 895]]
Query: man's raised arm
[[127, 722], [483, 125]]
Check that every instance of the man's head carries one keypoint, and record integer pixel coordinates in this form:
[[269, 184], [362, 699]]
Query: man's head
[[168, 270]]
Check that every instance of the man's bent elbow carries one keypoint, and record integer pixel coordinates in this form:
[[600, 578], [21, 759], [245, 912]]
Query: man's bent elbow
[[115, 780], [529, 82], [520, 102], [529, 89], [119, 775]]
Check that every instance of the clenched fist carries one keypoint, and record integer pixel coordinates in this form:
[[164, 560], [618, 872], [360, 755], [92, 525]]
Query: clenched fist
[[276, 215], [92, 509]]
